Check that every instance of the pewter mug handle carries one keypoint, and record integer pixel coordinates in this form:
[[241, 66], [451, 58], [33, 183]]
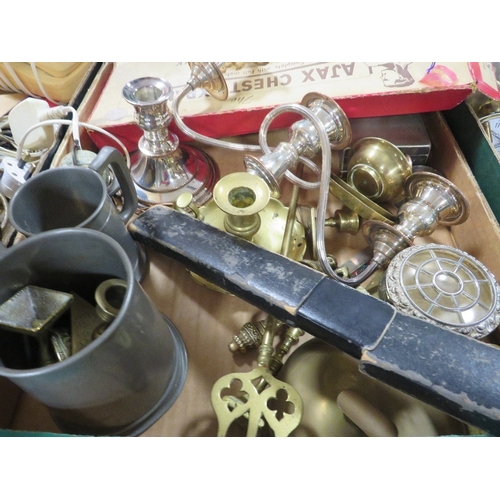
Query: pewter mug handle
[[112, 157]]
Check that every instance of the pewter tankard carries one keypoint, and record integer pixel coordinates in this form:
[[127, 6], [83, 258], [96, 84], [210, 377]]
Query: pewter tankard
[[77, 197], [125, 379]]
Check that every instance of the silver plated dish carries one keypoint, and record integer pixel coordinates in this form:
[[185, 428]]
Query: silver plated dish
[[446, 286]]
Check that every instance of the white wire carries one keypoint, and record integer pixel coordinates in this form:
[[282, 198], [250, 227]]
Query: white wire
[[70, 122], [14, 76], [6, 85], [42, 89]]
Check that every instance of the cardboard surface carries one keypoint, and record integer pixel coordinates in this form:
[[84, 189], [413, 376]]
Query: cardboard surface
[[207, 320]]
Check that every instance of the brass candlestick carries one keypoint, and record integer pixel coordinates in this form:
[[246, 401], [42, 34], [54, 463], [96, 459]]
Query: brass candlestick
[[241, 198], [242, 206]]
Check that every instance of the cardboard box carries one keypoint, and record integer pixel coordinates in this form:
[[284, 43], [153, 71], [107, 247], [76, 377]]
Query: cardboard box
[[207, 320], [361, 89]]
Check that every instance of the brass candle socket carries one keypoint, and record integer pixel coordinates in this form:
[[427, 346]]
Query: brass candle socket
[[345, 220], [378, 169], [304, 141], [241, 198], [432, 200], [261, 221], [162, 168]]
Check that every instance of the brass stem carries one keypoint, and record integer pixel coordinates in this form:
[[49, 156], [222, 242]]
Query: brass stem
[[291, 215]]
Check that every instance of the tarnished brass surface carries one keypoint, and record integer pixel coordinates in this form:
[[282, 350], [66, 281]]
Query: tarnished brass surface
[[272, 219], [84, 321], [33, 309], [488, 108], [262, 396], [378, 169], [321, 374], [345, 220], [257, 396], [241, 196], [249, 336], [359, 203]]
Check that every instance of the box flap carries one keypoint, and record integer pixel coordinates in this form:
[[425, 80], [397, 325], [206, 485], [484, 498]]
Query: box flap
[[485, 75], [362, 89]]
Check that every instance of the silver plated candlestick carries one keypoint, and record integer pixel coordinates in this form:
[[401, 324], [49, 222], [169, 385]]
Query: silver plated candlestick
[[432, 200], [304, 141], [163, 168]]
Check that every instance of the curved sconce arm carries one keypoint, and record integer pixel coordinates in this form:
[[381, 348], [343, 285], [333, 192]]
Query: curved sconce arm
[[321, 210], [190, 86]]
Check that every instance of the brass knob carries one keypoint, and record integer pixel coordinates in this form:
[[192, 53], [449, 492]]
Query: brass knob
[[345, 220]]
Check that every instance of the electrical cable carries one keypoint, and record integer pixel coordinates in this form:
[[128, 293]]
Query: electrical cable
[[71, 123], [6, 85], [40, 85], [20, 85]]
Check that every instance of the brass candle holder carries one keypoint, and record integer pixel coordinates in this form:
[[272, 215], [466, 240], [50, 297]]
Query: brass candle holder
[[242, 206], [378, 169], [241, 198]]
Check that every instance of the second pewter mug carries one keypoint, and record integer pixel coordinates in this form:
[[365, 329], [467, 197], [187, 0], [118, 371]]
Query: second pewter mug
[[75, 197], [121, 382]]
